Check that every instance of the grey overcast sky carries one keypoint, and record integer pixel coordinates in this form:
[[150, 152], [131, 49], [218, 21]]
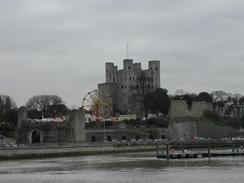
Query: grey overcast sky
[[60, 46]]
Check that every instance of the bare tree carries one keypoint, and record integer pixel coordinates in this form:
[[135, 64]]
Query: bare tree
[[41, 106], [180, 92]]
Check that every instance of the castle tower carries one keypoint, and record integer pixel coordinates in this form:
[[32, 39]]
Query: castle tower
[[128, 65], [111, 72], [154, 67]]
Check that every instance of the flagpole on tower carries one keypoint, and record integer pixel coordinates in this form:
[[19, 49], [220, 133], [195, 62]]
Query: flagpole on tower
[[127, 49]]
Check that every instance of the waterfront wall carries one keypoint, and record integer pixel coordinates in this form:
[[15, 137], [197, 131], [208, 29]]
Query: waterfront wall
[[125, 134], [21, 153]]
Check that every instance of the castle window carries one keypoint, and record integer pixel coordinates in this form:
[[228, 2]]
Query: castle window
[[130, 87], [137, 86], [122, 87], [156, 68], [148, 86], [130, 78], [148, 79], [129, 67], [113, 79]]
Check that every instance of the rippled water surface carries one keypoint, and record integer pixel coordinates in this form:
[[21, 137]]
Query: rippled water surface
[[131, 167]]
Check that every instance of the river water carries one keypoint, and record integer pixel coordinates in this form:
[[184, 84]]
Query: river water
[[130, 167]]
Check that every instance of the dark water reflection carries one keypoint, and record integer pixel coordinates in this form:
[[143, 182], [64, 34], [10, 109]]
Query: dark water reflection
[[131, 167]]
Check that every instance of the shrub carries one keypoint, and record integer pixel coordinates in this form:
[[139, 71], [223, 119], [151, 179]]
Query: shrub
[[212, 115]]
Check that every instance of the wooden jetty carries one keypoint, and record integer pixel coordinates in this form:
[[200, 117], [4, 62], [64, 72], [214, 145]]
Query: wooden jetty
[[187, 155], [207, 150]]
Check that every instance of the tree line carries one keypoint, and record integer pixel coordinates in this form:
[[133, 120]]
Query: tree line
[[157, 102], [38, 107]]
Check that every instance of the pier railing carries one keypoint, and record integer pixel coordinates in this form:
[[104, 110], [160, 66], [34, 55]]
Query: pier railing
[[194, 149]]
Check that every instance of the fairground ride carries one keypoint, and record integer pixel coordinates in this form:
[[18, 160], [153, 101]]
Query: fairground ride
[[98, 105]]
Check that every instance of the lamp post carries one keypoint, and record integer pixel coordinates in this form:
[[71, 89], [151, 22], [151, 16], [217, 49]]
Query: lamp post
[[104, 137]]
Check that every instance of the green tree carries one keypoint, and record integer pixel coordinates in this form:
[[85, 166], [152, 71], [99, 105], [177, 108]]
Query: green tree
[[162, 101], [158, 101], [189, 98], [6, 106], [205, 96], [149, 104]]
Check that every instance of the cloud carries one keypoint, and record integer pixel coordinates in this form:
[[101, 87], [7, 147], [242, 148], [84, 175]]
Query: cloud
[[60, 47]]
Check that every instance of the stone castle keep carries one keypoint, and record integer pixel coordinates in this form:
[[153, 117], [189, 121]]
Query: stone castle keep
[[127, 86]]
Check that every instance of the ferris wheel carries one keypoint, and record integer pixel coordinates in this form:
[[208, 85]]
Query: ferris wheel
[[98, 105]]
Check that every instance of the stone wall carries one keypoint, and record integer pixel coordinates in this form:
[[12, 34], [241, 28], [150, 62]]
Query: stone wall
[[125, 134], [31, 131], [199, 128], [111, 90], [188, 121], [45, 152], [78, 125], [180, 109], [50, 132]]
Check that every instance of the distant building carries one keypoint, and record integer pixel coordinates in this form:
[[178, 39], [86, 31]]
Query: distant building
[[128, 86]]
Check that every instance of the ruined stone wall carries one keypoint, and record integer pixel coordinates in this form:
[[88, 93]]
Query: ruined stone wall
[[50, 132], [71, 130], [78, 125], [180, 109]]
